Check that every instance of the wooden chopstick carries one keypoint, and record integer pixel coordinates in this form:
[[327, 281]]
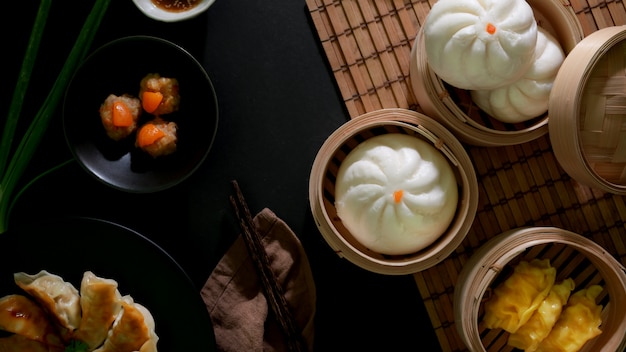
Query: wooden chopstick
[[273, 291]]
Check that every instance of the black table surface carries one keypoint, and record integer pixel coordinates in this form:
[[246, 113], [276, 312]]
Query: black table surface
[[278, 102]]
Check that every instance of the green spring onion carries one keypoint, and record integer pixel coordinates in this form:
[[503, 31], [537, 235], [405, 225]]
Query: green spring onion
[[13, 167], [77, 346], [22, 83]]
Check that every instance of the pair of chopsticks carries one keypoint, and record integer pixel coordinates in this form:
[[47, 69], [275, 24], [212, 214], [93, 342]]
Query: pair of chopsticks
[[273, 291]]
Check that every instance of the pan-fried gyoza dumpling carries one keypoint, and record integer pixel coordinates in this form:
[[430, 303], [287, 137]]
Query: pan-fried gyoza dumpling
[[19, 343], [100, 303], [396, 193], [22, 316], [480, 44], [527, 97], [151, 344], [132, 330], [60, 298]]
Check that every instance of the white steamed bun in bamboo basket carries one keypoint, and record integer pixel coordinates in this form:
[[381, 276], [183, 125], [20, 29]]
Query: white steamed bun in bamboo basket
[[450, 52], [396, 193], [393, 191], [527, 97], [474, 44]]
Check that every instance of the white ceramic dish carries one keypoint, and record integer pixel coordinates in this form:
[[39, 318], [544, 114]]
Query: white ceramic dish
[[150, 9]]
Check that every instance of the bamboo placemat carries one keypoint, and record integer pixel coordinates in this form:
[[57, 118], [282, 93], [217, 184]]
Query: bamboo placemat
[[368, 44]]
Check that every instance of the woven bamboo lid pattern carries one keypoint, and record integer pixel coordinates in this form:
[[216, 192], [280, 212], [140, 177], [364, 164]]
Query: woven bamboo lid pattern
[[368, 46], [573, 256], [588, 109], [324, 173], [454, 108]]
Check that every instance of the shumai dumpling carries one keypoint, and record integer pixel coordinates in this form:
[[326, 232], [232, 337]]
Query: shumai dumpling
[[119, 115], [527, 97], [59, 297], [395, 193], [157, 137], [529, 335], [516, 299], [159, 95], [480, 44], [579, 322]]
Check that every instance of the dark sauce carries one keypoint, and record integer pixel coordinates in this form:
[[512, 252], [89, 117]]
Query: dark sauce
[[176, 5]]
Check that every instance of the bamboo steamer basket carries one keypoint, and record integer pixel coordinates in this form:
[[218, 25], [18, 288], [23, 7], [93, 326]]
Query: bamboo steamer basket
[[588, 111], [453, 107], [571, 254], [348, 136]]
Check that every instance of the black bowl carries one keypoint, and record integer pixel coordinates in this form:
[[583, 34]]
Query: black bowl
[[117, 68], [70, 246]]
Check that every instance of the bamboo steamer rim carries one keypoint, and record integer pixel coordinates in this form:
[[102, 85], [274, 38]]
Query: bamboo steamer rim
[[488, 261], [435, 100], [565, 106], [444, 141]]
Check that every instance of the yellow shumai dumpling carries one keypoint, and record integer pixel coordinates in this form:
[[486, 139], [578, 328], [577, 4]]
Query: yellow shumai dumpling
[[529, 335], [579, 322], [480, 44], [516, 299]]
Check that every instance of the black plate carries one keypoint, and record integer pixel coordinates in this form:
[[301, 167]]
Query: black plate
[[69, 247], [117, 68]]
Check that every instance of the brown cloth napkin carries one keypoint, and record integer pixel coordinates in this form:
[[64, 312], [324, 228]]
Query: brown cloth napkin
[[242, 319]]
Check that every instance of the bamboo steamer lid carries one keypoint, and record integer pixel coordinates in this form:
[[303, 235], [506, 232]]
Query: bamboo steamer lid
[[322, 189], [453, 107], [588, 111], [571, 254]]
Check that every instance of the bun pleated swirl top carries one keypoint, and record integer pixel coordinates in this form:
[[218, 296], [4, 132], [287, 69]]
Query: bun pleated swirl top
[[480, 44], [396, 194]]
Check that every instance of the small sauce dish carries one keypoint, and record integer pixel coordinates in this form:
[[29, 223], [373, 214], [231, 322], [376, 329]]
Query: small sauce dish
[[172, 10]]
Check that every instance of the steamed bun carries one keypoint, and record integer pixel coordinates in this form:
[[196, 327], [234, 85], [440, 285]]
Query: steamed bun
[[480, 44], [395, 193], [527, 97]]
